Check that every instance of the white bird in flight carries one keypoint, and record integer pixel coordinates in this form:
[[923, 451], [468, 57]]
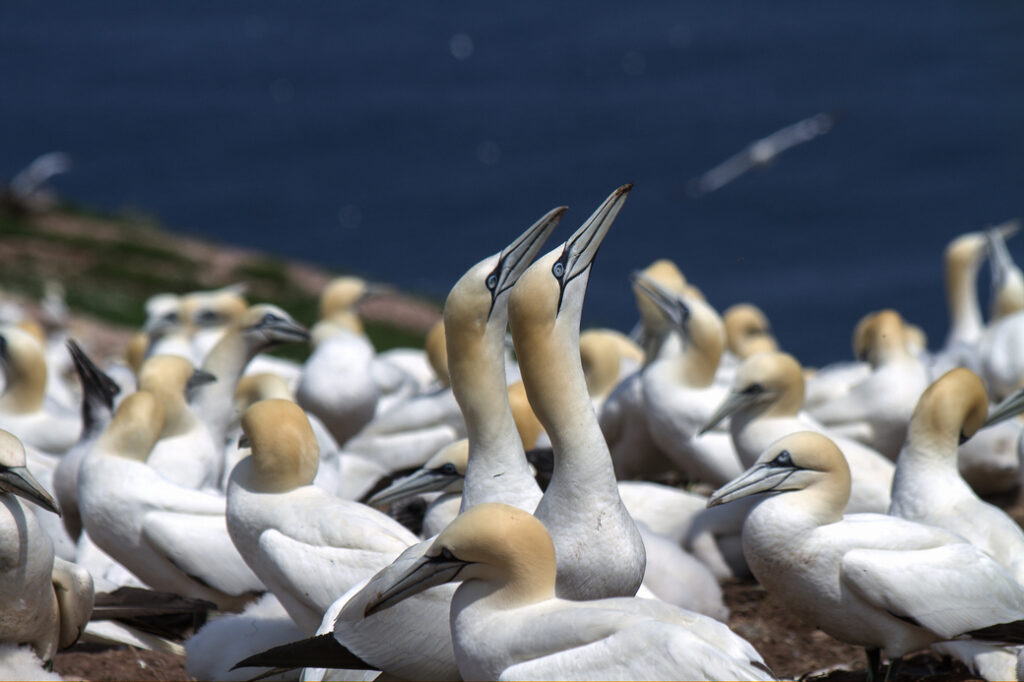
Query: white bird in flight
[[760, 153]]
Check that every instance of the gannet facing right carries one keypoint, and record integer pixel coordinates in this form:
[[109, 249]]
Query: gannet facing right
[[173, 538], [507, 623], [43, 603], [887, 584], [599, 549], [306, 545]]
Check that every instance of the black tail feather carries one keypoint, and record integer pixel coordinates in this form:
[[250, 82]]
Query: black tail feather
[[322, 651], [1010, 633], [160, 613], [98, 390]]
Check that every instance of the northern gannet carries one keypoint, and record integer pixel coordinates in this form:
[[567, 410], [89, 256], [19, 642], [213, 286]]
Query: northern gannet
[[44, 601], [24, 409], [253, 388], [1001, 355], [600, 552], [186, 452], [337, 382], [764, 405], [260, 328], [444, 473], [608, 357], [507, 623], [623, 414], [475, 320], [876, 410], [173, 538], [747, 331], [305, 544], [680, 392], [890, 585], [98, 392], [962, 259], [761, 153], [928, 487], [210, 315]]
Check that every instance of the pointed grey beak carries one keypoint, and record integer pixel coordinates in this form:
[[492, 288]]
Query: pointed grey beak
[[19, 481], [1011, 406], [581, 248], [760, 478], [517, 256], [418, 482], [200, 377], [732, 404], [674, 308], [284, 331], [425, 573], [999, 255]]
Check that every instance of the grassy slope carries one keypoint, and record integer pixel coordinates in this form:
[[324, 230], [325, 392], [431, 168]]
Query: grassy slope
[[110, 264]]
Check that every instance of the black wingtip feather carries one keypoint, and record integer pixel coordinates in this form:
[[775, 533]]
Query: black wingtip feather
[[322, 651]]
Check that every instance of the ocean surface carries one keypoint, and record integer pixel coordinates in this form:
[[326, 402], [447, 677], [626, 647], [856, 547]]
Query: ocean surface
[[405, 141]]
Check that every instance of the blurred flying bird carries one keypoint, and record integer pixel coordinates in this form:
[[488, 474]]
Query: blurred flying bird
[[761, 153]]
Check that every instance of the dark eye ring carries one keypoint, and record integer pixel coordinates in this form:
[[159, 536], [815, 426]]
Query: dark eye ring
[[558, 270], [754, 389], [783, 459], [270, 317], [449, 469], [492, 281], [446, 555]]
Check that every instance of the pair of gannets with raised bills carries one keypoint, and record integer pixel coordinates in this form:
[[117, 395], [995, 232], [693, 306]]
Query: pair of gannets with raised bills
[[888, 584]]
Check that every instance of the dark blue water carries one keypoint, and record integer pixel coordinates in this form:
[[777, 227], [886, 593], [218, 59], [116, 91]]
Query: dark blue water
[[408, 140]]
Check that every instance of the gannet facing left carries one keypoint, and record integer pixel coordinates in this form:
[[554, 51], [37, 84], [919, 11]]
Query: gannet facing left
[[42, 603], [507, 623], [928, 487], [890, 585]]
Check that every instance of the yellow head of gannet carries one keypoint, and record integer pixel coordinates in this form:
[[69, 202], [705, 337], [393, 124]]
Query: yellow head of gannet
[[880, 337], [949, 412], [747, 330], [444, 471], [507, 622], [962, 259], [15, 477], [217, 308], [475, 319], [700, 326], [253, 388], [24, 365], [804, 461], [338, 302], [601, 362], [264, 325], [497, 543], [437, 352], [285, 454], [135, 428], [769, 384], [170, 378], [655, 324], [527, 424]]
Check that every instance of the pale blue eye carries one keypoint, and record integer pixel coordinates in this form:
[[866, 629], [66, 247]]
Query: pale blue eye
[[492, 281], [558, 270]]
